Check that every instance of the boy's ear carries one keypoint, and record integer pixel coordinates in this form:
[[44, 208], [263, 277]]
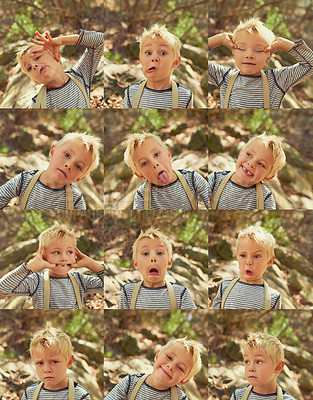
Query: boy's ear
[[270, 261], [169, 153], [170, 262], [70, 361], [279, 367], [176, 62], [184, 381], [139, 175], [157, 355], [268, 179], [134, 263], [51, 151]]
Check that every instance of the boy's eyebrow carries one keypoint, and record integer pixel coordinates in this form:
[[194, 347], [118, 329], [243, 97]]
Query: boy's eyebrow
[[163, 44]]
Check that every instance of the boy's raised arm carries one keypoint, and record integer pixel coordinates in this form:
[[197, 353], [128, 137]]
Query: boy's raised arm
[[87, 262], [280, 44], [224, 38]]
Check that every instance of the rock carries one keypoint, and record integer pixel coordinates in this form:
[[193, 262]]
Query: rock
[[198, 140], [3, 75], [130, 345], [223, 249], [233, 350], [8, 54], [233, 130], [93, 351], [16, 253], [306, 380], [285, 174], [197, 254], [124, 172], [83, 243], [26, 140], [295, 280], [198, 56], [214, 143], [291, 259], [178, 128], [150, 333], [298, 357]]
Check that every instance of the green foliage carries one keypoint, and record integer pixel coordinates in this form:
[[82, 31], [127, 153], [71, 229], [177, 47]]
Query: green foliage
[[150, 120], [108, 354], [272, 223], [3, 150], [281, 329], [178, 324], [260, 122], [194, 231], [8, 355], [73, 120], [122, 263], [80, 327], [32, 226], [113, 57]]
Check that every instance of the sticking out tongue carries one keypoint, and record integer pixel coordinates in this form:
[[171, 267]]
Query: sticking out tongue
[[164, 178]]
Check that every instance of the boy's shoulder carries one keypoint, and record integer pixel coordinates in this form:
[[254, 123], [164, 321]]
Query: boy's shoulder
[[239, 392], [152, 392]]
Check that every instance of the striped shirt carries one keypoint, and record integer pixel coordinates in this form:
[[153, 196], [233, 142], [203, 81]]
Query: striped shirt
[[236, 197], [124, 388], [238, 394], [245, 296], [156, 297], [42, 197], [247, 91], [69, 95], [23, 282], [61, 394], [173, 195], [152, 98]]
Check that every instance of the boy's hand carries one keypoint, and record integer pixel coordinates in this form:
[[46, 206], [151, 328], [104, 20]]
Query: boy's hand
[[220, 39], [48, 43], [280, 43], [37, 263], [83, 261]]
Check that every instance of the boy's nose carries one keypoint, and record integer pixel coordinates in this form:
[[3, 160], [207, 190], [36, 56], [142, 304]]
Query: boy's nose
[[68, 166]]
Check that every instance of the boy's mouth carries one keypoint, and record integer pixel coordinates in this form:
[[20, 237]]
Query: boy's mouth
[[62, 265], [43, 68], [153, 271], [164, 177], [166, 373], [248, 63], [248, 272], [151, 69], [246, 171], [62, 172]]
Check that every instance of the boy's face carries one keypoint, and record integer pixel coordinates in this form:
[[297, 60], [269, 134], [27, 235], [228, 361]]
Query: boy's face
[[42, 67], [60, 252], [250, 55], [260, 370], [171, 366], [152, 261], [51, 367], [67, 163], [157, 61], [253, 165], [253, 261], [153, 162]]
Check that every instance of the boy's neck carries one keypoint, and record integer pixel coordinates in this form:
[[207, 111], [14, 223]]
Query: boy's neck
[[269, 388], [155, 383], [153, 285], [47, 181], [159, 85], [58, 81]]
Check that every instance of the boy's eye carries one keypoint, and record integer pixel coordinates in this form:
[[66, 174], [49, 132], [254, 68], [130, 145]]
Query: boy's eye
[[249, 154], [78, 167], [157, 154], [242, 255], [160, 253], [168, 356], [144, 164], [148, 52], [261, 165], [70, 252], [257, 256], [56, 252], [163, 53], [259, 361], [29, 68], [145, 253], [246, 362], [181, 369], [39, 363], [66, 154]]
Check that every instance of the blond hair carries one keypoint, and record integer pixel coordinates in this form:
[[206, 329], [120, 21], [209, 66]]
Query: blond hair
[[161, 31], [52, 338], [274, 143], [267, 343], [55, 232], [259, 235], [91, 144], [136, 140], [153, 233], [192, 347], [255, 25]]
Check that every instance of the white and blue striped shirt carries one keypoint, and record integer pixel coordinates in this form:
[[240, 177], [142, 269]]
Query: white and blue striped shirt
[[247, 91], [69, 95], [42, 197], [238, 394], [152, 98], [23, 282], [157, 298], [173, 195], [236, 197], [61, 394]]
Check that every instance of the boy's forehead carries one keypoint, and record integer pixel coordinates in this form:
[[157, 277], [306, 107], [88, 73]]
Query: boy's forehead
[[147, 242], [156, 40], [255, 36], [248, 242], [255, 351], [259, 148], [62, 242], [146, 146]]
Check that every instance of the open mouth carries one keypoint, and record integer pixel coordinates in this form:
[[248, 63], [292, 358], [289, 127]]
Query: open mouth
[[43, 68], [153, 271], [62, 265], [246, 171], [151, 69], [164, 177], [62, 172], [248, 272]]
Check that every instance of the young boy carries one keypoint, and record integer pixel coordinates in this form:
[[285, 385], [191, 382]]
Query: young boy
[[152, 256], [159, 55], [163, 189], [252, 45], [264, 359], [258, 161], [254, 253], [51, 353], [174, 364], [56, 287], [42, 63], [71, 159]]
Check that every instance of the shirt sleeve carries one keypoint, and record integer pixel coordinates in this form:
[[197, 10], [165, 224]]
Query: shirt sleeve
[[190, 104], [269, 202], [187, 302], [119, 392], [123, 305], [80, 203], [10, 189], [19, 282], [93, 284], [277, 305], [217, 301], [216, 73], [126, 101], [202, 189], [139, 199], [210, 188]]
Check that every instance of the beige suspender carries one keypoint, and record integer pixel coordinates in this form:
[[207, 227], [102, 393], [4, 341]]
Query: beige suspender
[[41, 101], [171, 295], [174, 394], [68, 189], [267, 294], [71, 390], [46, 291], [249, 388], [266, 89], [143, 84], [147, 195], [260, 198]]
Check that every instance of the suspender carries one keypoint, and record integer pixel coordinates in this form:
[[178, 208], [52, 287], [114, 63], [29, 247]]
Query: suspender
[[260, 199], [41, 101], [71, 390], [69, 193], [171, 295], [46, 290], [143, 84], [267, 295], [266, 89], [174, 394], [147, 195], [249, 388]]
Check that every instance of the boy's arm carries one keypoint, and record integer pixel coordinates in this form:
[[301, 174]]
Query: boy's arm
[[217, 301], [277, 305], [53, 44], [19, 282], [269, 202], [202, 189], [126, 101], [123, 304], [224, 38], [120, 391], [10, 189], [211, 181], [187, 302], [139, 199]]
